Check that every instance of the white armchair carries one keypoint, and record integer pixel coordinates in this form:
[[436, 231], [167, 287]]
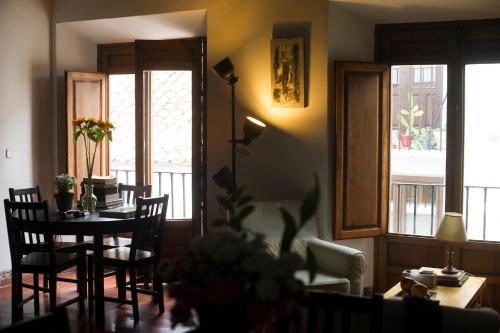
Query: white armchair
[[340, 268]]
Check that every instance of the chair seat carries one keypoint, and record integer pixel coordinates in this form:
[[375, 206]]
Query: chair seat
[[120, 256], [324, 281], [68, 247], [39, 261], [110, 242]]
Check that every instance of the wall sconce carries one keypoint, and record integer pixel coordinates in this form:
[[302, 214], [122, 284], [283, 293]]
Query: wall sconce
[[252, 128]]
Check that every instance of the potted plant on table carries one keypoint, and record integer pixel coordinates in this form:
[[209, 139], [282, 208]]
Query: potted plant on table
[[93, 132], [413, 112], [64, 198]]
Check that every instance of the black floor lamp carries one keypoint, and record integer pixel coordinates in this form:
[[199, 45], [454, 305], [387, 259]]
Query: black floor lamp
[[252, 128]]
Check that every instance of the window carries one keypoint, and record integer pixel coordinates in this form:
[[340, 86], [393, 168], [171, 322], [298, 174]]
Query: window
[[481, 207], [418, 154], [395, 75], [424, 74], [159, 127], [457, 140]]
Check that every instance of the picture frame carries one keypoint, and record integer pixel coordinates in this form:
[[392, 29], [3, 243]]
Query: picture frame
[[287, 72]]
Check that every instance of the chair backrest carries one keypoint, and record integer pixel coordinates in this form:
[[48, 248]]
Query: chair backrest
[[54, 322], [340, 311], [130, 193], [28, 230], [31, 194], [150, 214]]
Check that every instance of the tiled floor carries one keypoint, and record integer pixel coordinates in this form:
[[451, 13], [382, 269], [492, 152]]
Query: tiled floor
[[118, 317]]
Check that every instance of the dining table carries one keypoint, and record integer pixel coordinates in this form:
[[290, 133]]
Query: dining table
[[96, 226]]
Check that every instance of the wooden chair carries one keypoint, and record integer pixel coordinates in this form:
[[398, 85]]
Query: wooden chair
[[144, 251], [54, 322], [335, 312], [130, 193], [32, 251], [33, 194]]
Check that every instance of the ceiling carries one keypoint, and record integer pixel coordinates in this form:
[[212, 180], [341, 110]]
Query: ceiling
[[126, 29], [399, 11]]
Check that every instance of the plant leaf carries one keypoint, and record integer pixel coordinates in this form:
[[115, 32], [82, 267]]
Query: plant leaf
[[225, 203], [415, 108], [289, 232], [310, 203], [405, 112], [243, 213], [244, 200], [403, 122], [236, 196], [312, 265], [418, 113]]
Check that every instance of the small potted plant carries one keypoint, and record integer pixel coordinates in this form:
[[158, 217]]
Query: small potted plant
[[413, 112], [64, 198]]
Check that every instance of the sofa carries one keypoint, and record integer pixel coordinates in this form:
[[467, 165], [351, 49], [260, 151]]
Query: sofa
[[340, 268]]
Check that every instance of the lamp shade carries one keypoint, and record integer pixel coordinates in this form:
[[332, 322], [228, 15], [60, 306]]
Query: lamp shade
[[225, 70], [452, 228], [252, 128], [224, 179]]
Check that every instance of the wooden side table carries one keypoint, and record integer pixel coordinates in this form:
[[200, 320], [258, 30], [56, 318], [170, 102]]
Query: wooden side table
[[469, 295]]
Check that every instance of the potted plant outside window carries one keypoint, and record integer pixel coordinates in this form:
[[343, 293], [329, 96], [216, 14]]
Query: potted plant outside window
[[413, 112], [64, 198]]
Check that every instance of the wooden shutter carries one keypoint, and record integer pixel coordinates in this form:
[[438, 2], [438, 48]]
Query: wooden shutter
[[86, 96], [362, 125]]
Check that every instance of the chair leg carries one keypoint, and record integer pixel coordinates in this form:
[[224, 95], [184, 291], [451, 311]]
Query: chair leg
[[17, 296], [133, 291], [121, 283], [81, 273], [90, 282], [45, 282], [36, 296], [158, 287], [52, 291]]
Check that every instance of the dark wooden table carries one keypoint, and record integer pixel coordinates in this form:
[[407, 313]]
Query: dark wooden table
[[96, 226]]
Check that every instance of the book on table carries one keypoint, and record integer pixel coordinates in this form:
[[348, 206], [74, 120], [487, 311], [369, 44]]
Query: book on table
[[104, 180], [122, 212]]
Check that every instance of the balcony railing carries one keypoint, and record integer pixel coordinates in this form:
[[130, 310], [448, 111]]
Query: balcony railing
[[176, 184], [417, 208]]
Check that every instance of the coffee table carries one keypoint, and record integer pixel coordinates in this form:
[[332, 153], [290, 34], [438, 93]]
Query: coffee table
[[469, 295]]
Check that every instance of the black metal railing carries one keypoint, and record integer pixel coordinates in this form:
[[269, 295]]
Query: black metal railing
[[164, 182], [407, 194]]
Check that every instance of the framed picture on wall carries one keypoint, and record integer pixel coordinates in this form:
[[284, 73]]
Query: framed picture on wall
[[287, 72]]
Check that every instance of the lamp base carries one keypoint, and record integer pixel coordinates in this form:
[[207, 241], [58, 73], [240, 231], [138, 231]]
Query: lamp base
[[449, 270]]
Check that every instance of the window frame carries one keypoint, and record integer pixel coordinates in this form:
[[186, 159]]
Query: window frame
[[183, 54], [455, 44]]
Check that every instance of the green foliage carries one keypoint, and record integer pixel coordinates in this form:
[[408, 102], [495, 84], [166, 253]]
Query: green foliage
[[414, 112], [64, 183]]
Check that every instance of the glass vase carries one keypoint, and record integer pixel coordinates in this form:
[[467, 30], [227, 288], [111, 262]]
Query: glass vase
[[89, 200]]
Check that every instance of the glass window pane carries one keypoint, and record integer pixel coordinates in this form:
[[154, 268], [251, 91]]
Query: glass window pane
[[418, 149], [171, 139], [482, 152], [122, 115]]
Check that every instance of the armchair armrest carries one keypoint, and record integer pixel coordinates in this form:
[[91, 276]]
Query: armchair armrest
[[340, 260]]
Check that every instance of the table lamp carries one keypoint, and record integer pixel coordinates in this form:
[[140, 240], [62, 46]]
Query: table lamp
[[451, 230]]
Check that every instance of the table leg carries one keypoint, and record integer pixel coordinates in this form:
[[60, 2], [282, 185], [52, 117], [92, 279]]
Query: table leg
[[98, 281]]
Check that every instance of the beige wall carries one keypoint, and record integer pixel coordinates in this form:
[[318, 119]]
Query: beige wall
[[281, 162], [24, 101], [349, 38]]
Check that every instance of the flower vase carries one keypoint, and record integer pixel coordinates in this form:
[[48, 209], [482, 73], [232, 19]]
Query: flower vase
[[89, 200]]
